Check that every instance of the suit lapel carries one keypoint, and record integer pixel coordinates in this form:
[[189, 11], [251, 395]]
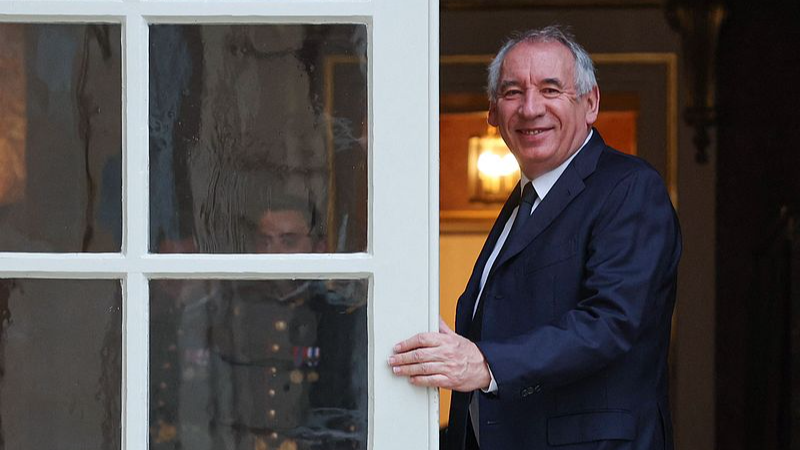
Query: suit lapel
[[467, 303], [568, 186]]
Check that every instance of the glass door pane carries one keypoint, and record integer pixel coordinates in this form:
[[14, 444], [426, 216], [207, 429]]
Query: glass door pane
[[60, 363], [60, 138], [252, 124], [244, 364]]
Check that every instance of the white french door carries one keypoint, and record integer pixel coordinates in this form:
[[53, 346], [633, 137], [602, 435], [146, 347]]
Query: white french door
[[216, 219]]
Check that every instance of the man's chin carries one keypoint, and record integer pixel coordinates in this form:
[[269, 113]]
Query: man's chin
[[536, 163]]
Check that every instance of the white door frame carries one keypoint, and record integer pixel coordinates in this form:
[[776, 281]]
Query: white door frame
[[402, 260]]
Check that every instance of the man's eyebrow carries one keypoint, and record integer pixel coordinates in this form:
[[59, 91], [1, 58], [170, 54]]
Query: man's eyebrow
[[547, 81], [553, 81], [508, 83]]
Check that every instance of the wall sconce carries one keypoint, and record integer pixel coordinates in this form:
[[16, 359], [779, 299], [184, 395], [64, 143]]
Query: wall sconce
[[698, 22], [492, 169]]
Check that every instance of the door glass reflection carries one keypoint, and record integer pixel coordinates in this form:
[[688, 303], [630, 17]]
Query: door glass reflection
[[60, 364], [247, 119], [60, 138], [258, 364]]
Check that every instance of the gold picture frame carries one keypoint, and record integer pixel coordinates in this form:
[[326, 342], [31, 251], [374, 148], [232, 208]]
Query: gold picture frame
[[331, 64]]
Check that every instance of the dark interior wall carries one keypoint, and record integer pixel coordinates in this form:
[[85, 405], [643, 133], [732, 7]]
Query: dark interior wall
[[758, 171], [634, 29], [617, 30]]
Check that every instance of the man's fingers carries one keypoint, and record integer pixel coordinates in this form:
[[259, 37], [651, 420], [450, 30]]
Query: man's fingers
[[426, 368], [417, 356], [417, 341], [440, 381]]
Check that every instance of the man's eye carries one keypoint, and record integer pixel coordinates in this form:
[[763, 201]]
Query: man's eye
[[550, 92], [512, 93]]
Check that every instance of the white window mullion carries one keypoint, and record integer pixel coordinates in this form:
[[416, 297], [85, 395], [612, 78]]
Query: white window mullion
[[135, 152], [135, 378], [135, 226], [258, 266]]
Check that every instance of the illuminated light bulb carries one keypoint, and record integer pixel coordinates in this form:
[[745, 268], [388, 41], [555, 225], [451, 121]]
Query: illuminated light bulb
[[489, 164], [495, 160]]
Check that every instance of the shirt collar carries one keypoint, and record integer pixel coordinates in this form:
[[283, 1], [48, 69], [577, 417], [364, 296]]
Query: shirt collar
[[544, 182]]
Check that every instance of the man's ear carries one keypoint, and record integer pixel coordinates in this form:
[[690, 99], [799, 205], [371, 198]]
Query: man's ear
[[492, 118], [592, 99]]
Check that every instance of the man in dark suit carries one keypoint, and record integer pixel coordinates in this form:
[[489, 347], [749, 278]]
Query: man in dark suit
[[562, 333]]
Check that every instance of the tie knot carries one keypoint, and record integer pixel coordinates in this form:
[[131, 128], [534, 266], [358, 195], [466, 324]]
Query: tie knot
[[528, 195]]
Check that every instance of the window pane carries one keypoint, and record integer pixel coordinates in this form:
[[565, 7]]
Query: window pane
[[251, 119], [60, 138], [258, 364], [60, 364]]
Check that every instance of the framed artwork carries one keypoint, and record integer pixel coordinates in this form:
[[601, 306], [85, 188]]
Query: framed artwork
[[346, 139]]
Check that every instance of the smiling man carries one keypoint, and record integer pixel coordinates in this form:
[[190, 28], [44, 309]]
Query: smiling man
[[562, 333]]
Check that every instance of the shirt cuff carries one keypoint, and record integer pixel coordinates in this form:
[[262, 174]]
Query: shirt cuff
[[492, 385]]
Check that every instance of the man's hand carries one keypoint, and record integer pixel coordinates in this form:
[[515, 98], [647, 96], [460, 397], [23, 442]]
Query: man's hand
[[442, 359]]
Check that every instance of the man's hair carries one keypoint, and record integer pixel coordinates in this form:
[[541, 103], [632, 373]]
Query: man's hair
[[584, 67]]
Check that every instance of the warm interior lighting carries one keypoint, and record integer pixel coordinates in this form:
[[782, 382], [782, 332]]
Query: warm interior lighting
[[493, 171], [494, 165], [13, 114]]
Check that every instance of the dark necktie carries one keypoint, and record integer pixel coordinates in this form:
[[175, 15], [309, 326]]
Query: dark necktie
[[523, 214]]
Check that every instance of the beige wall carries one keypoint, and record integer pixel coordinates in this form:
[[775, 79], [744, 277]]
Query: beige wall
[[458, 253]]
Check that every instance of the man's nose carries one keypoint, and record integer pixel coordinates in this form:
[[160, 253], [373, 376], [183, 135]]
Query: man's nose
[[532, 104]]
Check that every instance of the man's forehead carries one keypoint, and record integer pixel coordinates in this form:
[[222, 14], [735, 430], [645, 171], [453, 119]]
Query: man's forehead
[[286, 220], [546, 60]]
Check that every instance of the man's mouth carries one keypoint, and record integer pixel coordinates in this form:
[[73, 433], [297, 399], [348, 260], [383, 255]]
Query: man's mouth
[[532, 132]]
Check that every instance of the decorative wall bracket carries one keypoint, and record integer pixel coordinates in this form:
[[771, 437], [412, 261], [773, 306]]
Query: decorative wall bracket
[[698, 22]]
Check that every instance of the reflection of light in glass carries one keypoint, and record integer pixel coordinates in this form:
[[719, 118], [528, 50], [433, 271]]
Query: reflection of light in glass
[[497, 170]]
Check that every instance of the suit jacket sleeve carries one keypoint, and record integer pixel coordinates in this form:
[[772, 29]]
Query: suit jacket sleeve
[[628, 284]]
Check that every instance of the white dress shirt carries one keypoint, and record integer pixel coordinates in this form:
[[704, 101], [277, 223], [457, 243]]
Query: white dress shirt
[[542, 184]]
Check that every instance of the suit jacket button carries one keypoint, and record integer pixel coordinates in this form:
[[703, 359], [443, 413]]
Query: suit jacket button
[[498, 295]]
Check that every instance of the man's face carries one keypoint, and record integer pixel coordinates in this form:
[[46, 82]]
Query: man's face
[[285, 231], [537, 109]]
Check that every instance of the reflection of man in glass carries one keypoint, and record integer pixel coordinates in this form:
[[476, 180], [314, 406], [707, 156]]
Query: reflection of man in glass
[[289, 356], [261, 364], [287, 227]]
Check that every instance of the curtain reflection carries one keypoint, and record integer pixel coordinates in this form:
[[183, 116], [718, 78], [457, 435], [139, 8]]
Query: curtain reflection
[[60, 138]]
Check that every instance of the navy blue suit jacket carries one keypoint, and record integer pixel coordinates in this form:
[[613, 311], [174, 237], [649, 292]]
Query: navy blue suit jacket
[[576, 323]]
